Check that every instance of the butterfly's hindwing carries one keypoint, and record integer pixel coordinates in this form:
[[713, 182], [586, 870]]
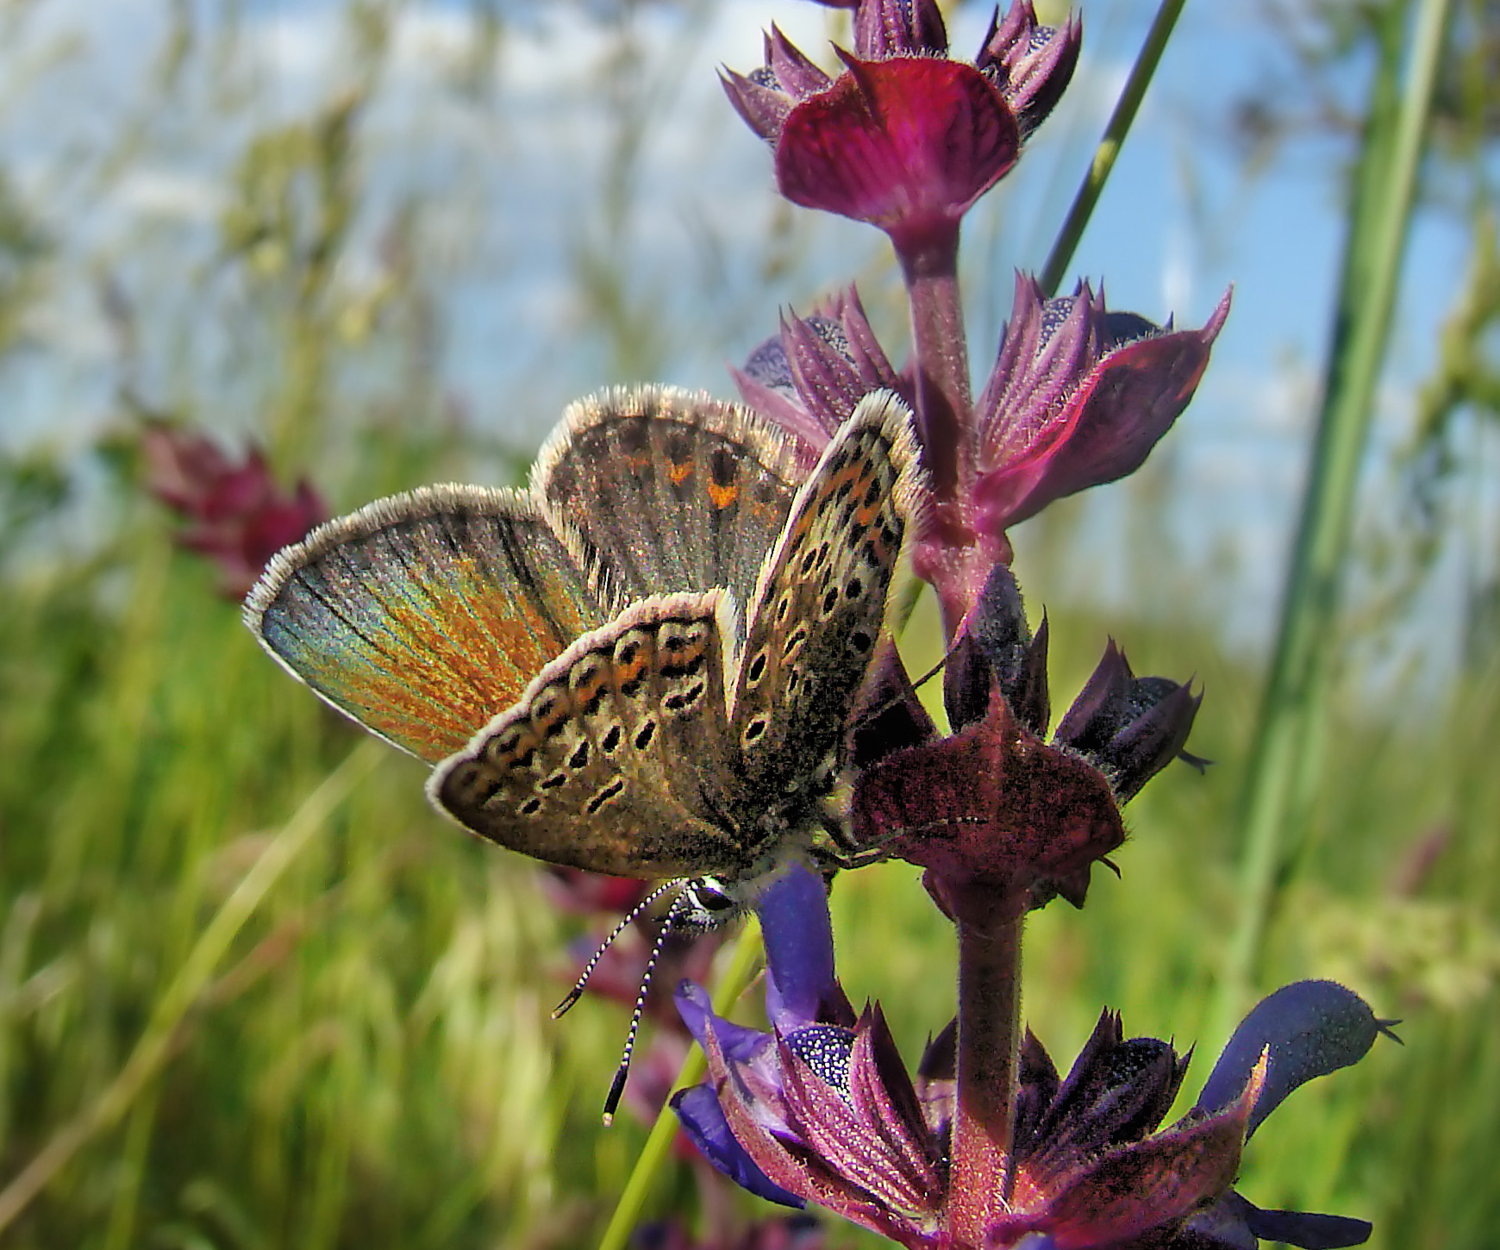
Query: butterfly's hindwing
[[822, 603], [684, 492], [423, 615], [614, 758]]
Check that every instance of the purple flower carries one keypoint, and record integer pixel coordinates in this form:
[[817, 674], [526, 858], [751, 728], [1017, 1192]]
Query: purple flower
[[1078, 396], [906, 144], [238, 517], [1002, 820], [821, 1109], [1131, 726], [905, 138]]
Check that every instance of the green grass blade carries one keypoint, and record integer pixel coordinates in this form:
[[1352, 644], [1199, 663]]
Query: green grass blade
[[1108, 151], [155, 1046], [1284, 760]]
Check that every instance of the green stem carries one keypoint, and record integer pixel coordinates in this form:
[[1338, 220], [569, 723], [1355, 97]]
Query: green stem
[[1284, 761], [1061, 256]]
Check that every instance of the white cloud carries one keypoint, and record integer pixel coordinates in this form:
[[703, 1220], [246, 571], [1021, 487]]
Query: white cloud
[[169, 193]]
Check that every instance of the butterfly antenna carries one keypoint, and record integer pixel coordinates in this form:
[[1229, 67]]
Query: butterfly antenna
[[936, 668], [588, 969], [886, 705], [617, 1086]]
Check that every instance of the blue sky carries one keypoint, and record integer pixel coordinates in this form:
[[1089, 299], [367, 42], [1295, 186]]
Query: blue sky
[[508, 188]]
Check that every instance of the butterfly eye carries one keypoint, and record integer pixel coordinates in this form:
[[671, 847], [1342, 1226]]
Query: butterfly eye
[[708, 903]]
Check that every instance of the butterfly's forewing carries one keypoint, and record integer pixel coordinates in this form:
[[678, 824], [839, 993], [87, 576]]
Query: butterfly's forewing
[[824, 599], [682, 491], [614, 758], [424, 615]]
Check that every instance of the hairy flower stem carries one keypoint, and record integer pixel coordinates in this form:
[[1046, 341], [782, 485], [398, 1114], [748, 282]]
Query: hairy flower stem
[[989, 1030], [945, 406]]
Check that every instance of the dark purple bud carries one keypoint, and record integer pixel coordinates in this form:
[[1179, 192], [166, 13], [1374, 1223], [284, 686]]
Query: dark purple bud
[[703, 1121], [1311, 1028], [1118, 1091], [1032, 64], [1131, 726], [997, 648], [899, 28]]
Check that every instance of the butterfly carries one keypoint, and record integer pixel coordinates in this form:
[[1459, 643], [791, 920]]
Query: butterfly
[[645, 663]]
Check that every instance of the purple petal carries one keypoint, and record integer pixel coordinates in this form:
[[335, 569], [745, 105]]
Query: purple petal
[[703, 1121], [1311, 1232], [763, 108], [1311, 1027], [800, 985], [1122, 410], [1236, 1224], [906, 144], [792, 69], [885, 28], [739, 1043]]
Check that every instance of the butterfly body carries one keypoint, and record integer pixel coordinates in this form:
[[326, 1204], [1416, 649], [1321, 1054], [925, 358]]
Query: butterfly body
[[574, 659]]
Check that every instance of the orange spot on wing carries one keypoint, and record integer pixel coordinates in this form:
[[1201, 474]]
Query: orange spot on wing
[[632, 671], [723, 496], [679, 473]]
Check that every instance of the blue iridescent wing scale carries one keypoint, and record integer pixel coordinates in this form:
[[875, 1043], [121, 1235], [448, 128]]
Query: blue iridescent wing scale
[[424, 615]]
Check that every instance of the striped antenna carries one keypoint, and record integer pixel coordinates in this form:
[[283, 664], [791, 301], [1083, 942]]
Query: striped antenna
[[588, 969], [617, 1086]]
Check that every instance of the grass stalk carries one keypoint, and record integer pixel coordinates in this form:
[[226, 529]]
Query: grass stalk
[[158, 1041], [1285, 757], [1108, 151]]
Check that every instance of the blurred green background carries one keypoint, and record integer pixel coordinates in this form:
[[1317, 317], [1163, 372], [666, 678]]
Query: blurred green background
[[253, 993]]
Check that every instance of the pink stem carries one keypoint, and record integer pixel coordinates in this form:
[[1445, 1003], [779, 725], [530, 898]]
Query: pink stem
[[953, 557], [989, 1031]]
